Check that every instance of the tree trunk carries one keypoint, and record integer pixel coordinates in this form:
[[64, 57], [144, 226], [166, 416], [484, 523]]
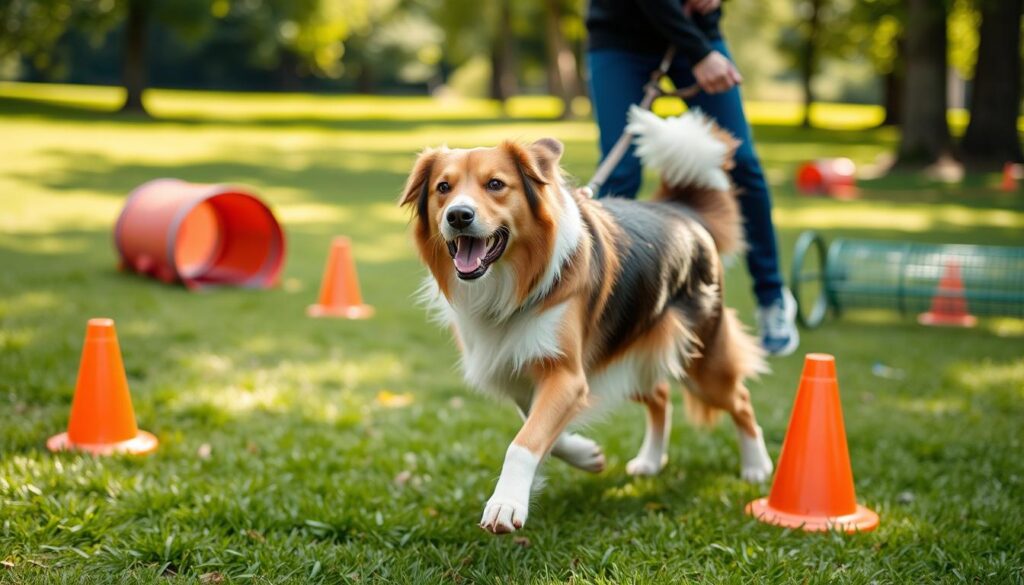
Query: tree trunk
[[925, 136], [808, 66], [992, 138], [893, 98], [562, 68], [892, 87], [288, 72], [366, 81], [133, 58], [503, 75]]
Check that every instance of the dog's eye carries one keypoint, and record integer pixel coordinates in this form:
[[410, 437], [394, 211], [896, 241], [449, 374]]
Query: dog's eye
[[444, 187], [495, 185]]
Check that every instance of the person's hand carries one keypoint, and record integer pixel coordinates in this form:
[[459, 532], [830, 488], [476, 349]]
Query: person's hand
[[703, 6], [716, 74]]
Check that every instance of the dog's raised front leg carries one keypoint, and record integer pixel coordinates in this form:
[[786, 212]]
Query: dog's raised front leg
[[580, 452], [561, 393], [572, 448]]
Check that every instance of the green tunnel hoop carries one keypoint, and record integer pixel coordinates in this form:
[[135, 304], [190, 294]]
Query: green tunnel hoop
[[810, 311], [902, 276]]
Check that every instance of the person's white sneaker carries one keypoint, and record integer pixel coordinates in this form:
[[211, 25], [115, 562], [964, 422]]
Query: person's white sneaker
[[777, 324]]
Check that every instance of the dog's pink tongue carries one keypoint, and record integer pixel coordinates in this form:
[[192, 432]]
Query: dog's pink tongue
[[470, 253]]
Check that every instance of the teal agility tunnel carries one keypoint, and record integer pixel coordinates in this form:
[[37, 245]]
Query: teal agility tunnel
[[827, 279]]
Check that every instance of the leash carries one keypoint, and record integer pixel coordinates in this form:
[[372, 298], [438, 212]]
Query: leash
[[652, 91]]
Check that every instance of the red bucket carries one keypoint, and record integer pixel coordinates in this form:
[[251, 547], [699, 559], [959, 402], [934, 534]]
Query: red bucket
[[200, 235], [835, 177]]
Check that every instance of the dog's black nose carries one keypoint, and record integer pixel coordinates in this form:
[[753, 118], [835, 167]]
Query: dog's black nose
[[460, 216]]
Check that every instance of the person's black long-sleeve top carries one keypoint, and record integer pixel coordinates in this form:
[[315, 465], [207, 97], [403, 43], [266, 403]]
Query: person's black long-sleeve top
[[650, 26]]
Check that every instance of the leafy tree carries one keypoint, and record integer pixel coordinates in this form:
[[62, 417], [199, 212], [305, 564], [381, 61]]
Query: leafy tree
[[190, 18], [846, 30], [876, 29], [992, 137], [294, 35], [504, 82], [30, 29], [33, 28], [402, 44], [803, 42], [563, 72], [306, 34], [925, 137], [472, 28]]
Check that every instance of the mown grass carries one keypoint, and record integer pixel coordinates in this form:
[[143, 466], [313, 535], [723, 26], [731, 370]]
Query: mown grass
[[332, 451]]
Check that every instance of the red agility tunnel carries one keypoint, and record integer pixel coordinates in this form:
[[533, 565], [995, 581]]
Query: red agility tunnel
[[201, 235], [834, 177]]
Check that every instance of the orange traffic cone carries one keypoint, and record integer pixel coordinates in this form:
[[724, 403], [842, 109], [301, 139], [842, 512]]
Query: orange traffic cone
[[339, 291], [102, 420], [949, 304], [813, 487], [1009, 182]]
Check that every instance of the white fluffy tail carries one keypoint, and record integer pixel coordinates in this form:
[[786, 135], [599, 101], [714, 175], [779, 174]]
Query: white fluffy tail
[[686, 150], [692, 154]]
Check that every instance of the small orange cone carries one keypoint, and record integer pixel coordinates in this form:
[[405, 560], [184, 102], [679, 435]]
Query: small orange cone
[[1009, 182], [949, 304], [102, 419], [813, 487], [339, 291]]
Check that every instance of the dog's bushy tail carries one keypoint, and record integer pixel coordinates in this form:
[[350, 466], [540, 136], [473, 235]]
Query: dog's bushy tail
[[730, 356], [692, 155]]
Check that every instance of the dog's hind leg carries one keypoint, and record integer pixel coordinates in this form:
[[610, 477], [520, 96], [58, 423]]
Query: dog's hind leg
[[653, 453], [717, 383]]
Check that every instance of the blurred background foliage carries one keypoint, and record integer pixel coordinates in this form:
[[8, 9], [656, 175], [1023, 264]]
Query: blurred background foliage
[[805, 51], [412, 46]]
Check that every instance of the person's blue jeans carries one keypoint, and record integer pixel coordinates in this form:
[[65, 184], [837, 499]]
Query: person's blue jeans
[[617, 80]]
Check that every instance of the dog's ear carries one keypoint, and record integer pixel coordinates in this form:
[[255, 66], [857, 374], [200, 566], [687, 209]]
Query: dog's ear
[[529, 171], [417, 187], [547, 152]]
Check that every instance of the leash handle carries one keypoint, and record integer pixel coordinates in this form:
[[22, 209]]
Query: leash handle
[[652, 91]]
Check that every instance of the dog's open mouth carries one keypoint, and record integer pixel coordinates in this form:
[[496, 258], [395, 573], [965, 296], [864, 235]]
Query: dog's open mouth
[[473, 256]]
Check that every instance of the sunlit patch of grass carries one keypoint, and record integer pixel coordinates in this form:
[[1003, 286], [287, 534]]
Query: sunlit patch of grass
[[14, 339], [28, 302], [909, 218], [299, 213], [1007, 327], [825, 115], [228, 106], [932, 406], [985, 376]]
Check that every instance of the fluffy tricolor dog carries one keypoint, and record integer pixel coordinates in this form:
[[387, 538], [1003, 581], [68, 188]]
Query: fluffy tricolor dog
[[568, 305]]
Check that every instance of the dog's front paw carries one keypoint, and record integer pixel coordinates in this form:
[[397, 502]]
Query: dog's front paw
[[503, 516], [759, 472], [580, 452], [646, 465]]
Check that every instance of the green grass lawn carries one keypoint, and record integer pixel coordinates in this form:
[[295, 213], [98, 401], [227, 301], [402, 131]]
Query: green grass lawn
[[280, 448]]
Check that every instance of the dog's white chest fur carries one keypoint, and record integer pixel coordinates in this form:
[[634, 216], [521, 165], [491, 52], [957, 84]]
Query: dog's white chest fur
[[495, 354], [495, 351], [500, 336]]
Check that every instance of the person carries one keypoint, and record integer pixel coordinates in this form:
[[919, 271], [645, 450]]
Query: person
[[627, 40]]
